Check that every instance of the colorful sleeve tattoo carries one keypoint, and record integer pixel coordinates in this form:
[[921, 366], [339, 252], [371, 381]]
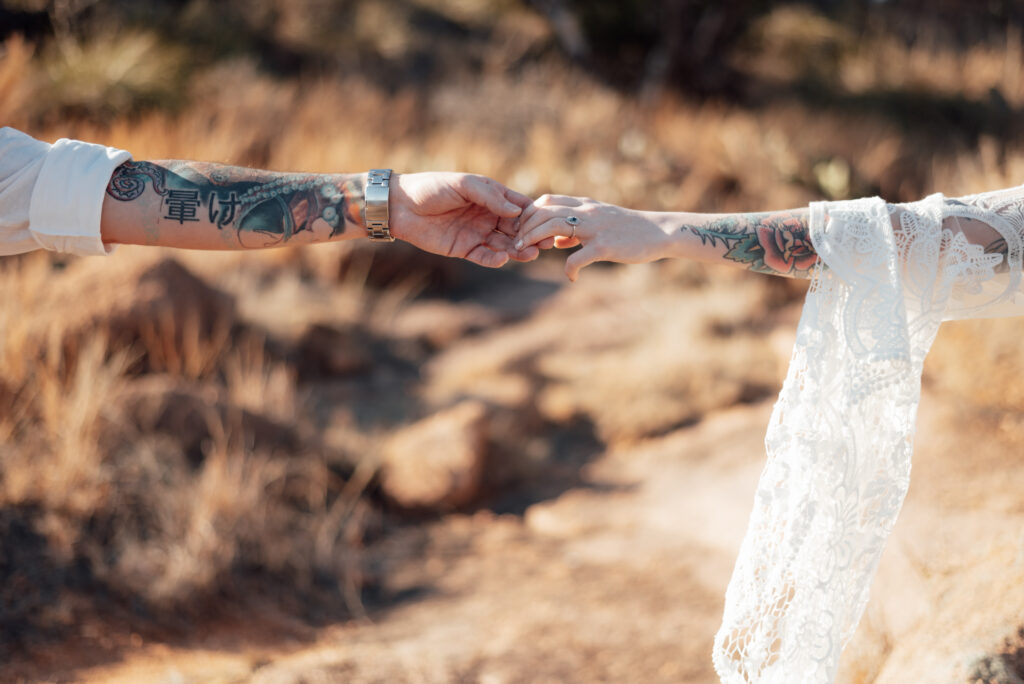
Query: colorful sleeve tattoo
[[256, 208], [777, 243]]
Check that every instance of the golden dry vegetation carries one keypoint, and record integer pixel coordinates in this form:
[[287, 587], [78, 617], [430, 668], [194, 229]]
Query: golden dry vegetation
[[339, 463]]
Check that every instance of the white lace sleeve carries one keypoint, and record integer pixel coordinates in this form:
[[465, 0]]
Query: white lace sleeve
[[840, 438]]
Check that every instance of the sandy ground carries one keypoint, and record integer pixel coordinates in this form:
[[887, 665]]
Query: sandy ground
[[621, 579], [617, 572]]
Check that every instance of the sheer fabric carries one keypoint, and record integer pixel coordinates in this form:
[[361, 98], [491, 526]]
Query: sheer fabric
[[841, 435]]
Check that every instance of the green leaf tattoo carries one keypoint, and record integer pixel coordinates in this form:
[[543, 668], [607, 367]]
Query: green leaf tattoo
[[776, 243]]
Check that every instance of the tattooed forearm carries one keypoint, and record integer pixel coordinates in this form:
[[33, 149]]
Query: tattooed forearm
[[777, 243], [129, 180], [241, 207]]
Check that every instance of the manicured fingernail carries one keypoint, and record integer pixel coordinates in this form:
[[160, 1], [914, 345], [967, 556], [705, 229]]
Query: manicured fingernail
[[519, 244], [509, 206]]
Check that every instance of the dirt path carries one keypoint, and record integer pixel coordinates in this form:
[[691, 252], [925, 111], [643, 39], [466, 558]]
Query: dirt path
[[619, 580], [622, 580]]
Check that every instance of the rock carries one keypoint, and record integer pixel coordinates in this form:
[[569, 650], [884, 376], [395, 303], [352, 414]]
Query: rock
[[442, 323], [189, 412], [438, 462], [175, 318], [995, 669], [30, 579], [326, 351], [401, 265]]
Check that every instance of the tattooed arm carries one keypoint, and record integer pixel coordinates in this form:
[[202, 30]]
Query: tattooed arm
[[774, 243], [198, 205]]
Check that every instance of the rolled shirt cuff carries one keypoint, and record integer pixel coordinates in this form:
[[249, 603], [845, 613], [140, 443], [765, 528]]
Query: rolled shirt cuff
[[67, 201]]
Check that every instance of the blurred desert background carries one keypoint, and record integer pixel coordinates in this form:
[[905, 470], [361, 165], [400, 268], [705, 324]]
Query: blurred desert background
[[364, 464]]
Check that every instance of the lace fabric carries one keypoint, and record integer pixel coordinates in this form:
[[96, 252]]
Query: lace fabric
[[840, 438]]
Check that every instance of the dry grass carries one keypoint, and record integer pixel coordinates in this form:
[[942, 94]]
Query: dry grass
[[169, 522]]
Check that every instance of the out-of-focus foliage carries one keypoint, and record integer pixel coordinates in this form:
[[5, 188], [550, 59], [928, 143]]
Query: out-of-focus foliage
[[124, 55]]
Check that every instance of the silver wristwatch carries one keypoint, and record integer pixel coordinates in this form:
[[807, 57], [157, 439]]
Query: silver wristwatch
[[375, 212]]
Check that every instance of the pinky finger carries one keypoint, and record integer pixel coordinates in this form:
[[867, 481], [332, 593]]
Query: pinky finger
[[580, 259], [528, 254]]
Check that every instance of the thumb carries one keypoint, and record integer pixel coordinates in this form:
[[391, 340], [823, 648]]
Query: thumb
[[490, 195], [577, 260]]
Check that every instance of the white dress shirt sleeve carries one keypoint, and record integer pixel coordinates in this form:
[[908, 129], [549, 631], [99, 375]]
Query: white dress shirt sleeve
[[51, 196]]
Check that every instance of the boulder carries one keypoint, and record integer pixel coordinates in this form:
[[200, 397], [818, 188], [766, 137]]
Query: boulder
[[401, 265], [438, 462], [174, 318], [325, 351], [190, 414]]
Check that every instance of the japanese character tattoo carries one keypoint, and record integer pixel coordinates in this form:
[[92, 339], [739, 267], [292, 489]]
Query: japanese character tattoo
[[257, 208]]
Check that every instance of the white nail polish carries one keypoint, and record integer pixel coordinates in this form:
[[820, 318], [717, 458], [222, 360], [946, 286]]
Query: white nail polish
[[519, 244]]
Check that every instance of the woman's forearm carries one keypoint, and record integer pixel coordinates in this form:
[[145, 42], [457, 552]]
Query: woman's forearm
[[779, 243], [775, 243], [200, 205]]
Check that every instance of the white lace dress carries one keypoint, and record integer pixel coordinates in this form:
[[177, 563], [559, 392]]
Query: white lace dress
[[841, 435]]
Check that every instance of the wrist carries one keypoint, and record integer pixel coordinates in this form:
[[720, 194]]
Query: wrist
[[666, 244], [398, 205]]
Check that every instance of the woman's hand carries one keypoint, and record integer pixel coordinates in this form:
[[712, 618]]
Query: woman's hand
[[607, 232]]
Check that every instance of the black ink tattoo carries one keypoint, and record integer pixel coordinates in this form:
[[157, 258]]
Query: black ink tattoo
[[261, 208], [129, 180], [222, 209], [998, 246], [286, 206], [182, 205]]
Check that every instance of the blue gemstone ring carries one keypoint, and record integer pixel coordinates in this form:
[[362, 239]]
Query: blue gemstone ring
[[573, 221]]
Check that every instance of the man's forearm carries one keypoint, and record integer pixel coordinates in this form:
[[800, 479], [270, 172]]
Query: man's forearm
[[200, 205]]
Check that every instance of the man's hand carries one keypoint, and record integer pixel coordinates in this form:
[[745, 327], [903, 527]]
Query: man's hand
[[458, 215]]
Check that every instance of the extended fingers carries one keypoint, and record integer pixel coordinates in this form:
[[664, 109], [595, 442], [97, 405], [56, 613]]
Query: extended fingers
[[500, 242], [548, 229], [517, 198], [490, 194], [535, 216], [559, 200], [546, 203]]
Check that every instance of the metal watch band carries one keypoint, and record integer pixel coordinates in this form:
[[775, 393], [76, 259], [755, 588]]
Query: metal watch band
[[375, 213]]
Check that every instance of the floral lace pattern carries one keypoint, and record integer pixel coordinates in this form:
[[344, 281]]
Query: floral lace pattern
[[840, 438]]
